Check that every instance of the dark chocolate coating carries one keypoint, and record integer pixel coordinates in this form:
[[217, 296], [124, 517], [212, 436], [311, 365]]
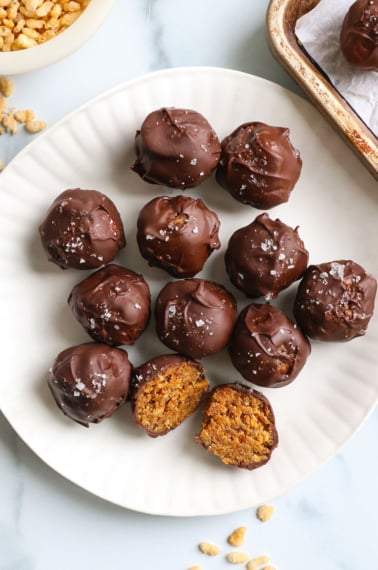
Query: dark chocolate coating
[[248, 393], [259, 166], [266, 347], [112, 304], [176, 148], [82, 230], [195, 317], [90, 381], [177, 234], [359, 35], [149, 370], [335, 301], [265, 257]]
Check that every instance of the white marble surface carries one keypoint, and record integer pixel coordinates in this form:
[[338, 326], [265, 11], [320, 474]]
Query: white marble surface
[[328, 521]]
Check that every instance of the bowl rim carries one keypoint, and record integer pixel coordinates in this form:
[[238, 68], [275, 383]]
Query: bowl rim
[[59, 47]]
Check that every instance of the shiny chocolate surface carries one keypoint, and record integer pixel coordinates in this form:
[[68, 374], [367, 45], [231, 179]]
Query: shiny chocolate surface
[[112, 305], [266, 347], [177, 234], [195, 317], [90, 381], [265, 257], [335, 300], [259, 166], [82, 230], [176, 148]]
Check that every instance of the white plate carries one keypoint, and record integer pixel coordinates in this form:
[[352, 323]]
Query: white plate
[[335, 204]]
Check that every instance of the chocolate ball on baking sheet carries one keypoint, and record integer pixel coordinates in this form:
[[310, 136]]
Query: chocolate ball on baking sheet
[[238, 426], [177, 148], [265, 257], [177, 234], [359, 35], [266, 347], [112, 305], [335, 300], [82, 230], [89, 382], [259, 166], [165, 390], [195, 317]]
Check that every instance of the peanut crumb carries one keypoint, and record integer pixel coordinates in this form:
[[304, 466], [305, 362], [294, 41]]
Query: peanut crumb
[[257, 562], [265, 512], [10, 119], [35, 126], [9, 123], [237, 557], [3, 104], [209, 549], [195, 568], [24, 115], [237, 537], [6, 86], [2, 165]]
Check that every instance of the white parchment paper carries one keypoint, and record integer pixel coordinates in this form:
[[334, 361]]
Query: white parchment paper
[[319, 32]]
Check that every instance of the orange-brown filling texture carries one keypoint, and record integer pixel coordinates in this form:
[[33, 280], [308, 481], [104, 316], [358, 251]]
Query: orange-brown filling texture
[[238, 427], [166, 401]]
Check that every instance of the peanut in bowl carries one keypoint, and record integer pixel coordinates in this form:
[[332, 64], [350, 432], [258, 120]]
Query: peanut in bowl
[[37, 33]]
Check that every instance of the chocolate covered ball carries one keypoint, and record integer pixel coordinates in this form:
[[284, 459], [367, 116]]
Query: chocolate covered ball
[[266, 347], [176, 148], [90, 381], [335, 301], [265, 257], [195, 317], [359, 35], [177, 234], [165, 390], [238, 426], [112, 304], [82, 230], [259, 166]]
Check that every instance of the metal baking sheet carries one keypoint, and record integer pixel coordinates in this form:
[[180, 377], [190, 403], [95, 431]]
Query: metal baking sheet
[[282, 16]]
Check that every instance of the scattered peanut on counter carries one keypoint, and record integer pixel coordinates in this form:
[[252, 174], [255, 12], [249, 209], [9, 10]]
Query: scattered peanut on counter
[[209, 549], [265, 512], [10, 120], [237, 538], [237, 557], [258, 562]]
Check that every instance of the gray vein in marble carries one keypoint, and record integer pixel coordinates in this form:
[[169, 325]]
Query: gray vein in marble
[[160, 57], [9, 443], [13, 555]]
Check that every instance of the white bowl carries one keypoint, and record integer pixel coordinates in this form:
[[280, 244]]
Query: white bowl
[[22, 61]]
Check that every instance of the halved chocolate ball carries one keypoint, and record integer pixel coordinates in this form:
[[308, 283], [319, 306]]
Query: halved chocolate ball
[[165, 391], [238, 426]]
